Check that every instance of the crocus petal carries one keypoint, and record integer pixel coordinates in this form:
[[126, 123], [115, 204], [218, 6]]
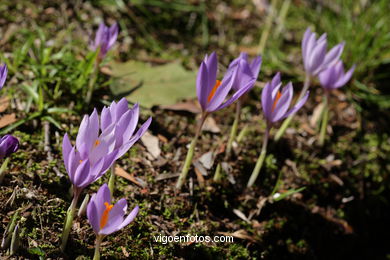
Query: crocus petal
[[105, 118], [99, 35], [82, 173], [327, 77], [317, 58], [237, 94], [93, 216], [127, 124], [66, 149], [115, 217], [305, 40], [297, 106], [345, 78], [202, 85], [283, 103], [275, 81], [333, 55], [266, 99], [73, 163], [141, 131], [256, 66], [130, 217], [309, 47], [113, 31], [102, 195], [3, 74], [221, 92], [109, 160], [212, 70], [122, 107]]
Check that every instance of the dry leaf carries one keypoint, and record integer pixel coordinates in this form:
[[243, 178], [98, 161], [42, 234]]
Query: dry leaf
[[207, 160], [200, 178], [4, 103], [189, 106], [7, 120], [122, 173], [211, 126], [316, 114], [151, 143]]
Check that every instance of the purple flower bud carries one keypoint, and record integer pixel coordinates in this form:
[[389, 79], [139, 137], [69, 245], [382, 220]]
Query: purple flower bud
[[3, 74], [212, 92], [315, 57], [105, 38], [8, 145], [335, 77], [97, 147], [276, 103], [106, 218]]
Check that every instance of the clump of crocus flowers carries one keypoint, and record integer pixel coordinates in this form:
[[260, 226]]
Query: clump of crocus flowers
[[99, 144], [106, 218], [315, 59], [212, 94]]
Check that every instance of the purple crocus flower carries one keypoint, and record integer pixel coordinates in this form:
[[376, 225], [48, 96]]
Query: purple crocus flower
[[276, 103], [212, 92], [315, 57], [93, 153], [3, 74], [106, 218], [105, 38], [8, 145], [244, 78], [335, 77], [96, 150], [125, 121]]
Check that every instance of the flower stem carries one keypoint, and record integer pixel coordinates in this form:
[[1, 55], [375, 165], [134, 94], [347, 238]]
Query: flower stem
[[96, 255], [260, 160], [233, 131], [190, 154], [92, 80], [69, 218], [3, 169], [288, 120], [217, 174], [111, 181], [325, 118]]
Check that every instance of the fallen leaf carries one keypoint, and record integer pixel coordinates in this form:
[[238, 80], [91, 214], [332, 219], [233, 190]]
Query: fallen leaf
[[241, 215], [188, 106], [4, 103], [122, 173], [164, 176], [7, 120], [200, 178], [152, 85], [151, 143], [211, 126], [316, 115], [207, 160]]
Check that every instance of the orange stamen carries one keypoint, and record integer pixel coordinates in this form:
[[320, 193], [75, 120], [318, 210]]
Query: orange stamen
[[104, 219], [278, 96], [212, 93], [80, 161], [97, 142]]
